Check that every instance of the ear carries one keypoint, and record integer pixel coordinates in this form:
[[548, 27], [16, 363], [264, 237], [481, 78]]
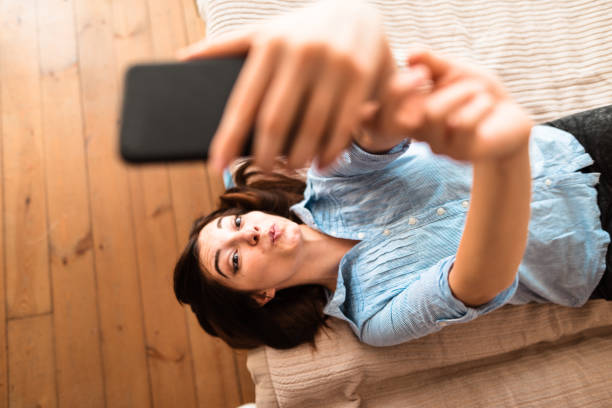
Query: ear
[[264, 296]]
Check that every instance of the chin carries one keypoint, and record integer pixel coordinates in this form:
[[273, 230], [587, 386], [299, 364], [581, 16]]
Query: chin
[[292, 235]]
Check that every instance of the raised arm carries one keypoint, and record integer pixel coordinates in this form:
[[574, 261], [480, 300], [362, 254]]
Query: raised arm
[[495, 234], [469, 116]]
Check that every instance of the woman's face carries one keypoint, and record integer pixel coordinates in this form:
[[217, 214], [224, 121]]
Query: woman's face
[[253, 251]]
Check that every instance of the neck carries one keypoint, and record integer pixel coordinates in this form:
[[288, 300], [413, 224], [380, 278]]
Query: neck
[[320, 259]]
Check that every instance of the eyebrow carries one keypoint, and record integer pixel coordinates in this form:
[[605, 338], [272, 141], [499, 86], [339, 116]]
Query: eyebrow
[[218, 253]]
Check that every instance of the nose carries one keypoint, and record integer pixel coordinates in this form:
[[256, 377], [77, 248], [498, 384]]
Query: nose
[[250, 235]]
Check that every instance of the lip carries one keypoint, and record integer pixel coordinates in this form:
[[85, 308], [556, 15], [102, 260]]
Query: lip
[[274, 233]]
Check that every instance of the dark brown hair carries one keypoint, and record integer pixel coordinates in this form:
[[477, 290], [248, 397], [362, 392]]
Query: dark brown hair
[[293, 316]]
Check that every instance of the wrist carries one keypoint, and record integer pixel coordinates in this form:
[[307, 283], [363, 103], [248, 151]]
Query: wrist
[[507, 160], [512, 155]]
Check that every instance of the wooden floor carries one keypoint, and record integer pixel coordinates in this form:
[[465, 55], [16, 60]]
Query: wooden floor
[[88, 316]]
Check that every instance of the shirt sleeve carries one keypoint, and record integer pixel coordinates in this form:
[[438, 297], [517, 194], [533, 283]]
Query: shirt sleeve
[[355, 161], [425, 307]]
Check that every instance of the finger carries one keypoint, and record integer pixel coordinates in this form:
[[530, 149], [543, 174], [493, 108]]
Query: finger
[[342, 126], [386, 70], [410, 114], [390, 95], [402, 88], [229, 44], [437, 65], [443, 101], [468, 115], [462, 125], [245, 98], [439, 105], [316, 116], [279, 107]]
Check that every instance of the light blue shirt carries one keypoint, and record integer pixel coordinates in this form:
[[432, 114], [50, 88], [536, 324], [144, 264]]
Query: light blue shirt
[[408, 209]]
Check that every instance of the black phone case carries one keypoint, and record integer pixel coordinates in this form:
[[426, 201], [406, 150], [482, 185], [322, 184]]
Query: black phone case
[[171, 111]]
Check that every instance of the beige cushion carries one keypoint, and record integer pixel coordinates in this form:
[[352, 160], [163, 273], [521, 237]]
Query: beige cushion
[[532, 355]]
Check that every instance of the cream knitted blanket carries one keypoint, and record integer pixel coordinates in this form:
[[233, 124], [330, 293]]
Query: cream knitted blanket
[[555, 57]]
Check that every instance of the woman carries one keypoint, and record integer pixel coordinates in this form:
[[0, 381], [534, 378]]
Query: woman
[[394, 239]]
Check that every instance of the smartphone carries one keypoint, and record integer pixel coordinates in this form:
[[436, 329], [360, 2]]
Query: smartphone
[[171, 111]]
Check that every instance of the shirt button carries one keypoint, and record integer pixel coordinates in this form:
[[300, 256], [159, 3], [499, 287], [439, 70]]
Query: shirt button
[[360, 235], [412, 220], [386, 232], [548, 182], [441, 211], [465, 204]]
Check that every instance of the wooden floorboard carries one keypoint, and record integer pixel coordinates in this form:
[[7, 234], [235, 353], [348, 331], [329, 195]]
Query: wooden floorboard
[[75, 315], [87, 246], [25, 224], [247, 389], [216, 380], [168, 352], [169, 356], [3, 321], [127, 382], [31, 365]]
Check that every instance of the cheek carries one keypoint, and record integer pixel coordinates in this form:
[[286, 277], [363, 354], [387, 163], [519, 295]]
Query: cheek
[[269, 270], [259, 269]]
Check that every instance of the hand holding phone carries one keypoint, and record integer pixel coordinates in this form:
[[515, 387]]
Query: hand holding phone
[[327, 58]]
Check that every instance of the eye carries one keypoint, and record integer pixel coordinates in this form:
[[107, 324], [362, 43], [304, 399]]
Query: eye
[[237, 221], [235, 261]]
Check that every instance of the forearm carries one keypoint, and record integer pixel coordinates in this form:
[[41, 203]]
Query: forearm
[[496, 229]]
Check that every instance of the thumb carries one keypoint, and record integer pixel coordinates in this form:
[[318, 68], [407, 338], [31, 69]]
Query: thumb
[[230, 44]]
